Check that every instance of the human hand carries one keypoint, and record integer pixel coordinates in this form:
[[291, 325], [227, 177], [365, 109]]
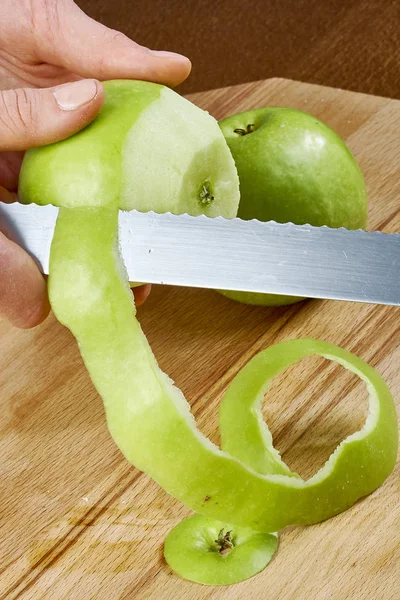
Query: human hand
[[51, 58]]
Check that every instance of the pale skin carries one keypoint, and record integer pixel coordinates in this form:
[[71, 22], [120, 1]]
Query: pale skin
[[52, 60]]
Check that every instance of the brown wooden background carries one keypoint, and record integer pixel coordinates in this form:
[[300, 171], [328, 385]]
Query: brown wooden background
[[350, 44]]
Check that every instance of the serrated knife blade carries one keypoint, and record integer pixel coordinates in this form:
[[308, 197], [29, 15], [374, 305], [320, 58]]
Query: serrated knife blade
[[296, 260]]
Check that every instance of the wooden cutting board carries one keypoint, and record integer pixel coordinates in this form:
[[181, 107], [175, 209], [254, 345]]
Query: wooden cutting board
[[78, 522]]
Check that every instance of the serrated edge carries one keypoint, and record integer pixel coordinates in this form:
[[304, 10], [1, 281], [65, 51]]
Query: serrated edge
[[258, 223], [235, 221]]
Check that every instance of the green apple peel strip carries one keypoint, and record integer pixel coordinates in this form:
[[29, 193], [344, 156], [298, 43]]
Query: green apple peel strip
[[246, 483]]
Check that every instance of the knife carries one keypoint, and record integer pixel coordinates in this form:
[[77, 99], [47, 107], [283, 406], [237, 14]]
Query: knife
[[232, 254]]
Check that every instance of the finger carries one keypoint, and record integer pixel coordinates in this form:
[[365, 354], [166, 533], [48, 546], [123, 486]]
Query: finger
[[141, 294], [30, 117], [23, 294], [90, 49]]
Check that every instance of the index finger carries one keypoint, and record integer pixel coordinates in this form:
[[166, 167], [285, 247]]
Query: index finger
[[90, 49]]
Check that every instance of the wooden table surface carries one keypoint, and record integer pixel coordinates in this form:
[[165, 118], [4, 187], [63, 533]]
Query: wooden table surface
[[349, 44], [77, 522]]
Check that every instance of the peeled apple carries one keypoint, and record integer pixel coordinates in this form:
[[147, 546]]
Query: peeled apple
[[148, 149]]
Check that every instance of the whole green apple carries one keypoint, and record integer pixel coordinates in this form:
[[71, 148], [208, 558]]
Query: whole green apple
[[292, 167]]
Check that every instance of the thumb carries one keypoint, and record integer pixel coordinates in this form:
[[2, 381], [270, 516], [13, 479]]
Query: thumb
[[23, 295], [31, 117]]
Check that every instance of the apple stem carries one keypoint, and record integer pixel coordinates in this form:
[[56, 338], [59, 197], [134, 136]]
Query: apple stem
[[224, 542], [249, 129], [206, 196]]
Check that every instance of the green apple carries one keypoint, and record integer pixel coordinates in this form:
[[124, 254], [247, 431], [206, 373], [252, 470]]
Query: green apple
[[148, 148], [215, 553], [292, 167]]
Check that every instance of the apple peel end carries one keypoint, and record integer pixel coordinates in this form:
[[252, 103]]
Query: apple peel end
[[210, 552]]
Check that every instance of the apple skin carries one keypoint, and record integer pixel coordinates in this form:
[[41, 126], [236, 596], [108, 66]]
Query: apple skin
[[293, 168]]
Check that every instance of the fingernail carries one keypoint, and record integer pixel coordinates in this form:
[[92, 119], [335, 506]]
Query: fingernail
[[71, 96], [170, 55]]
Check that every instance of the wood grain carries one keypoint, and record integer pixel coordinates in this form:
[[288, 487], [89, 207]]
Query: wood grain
[[77, 521]]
